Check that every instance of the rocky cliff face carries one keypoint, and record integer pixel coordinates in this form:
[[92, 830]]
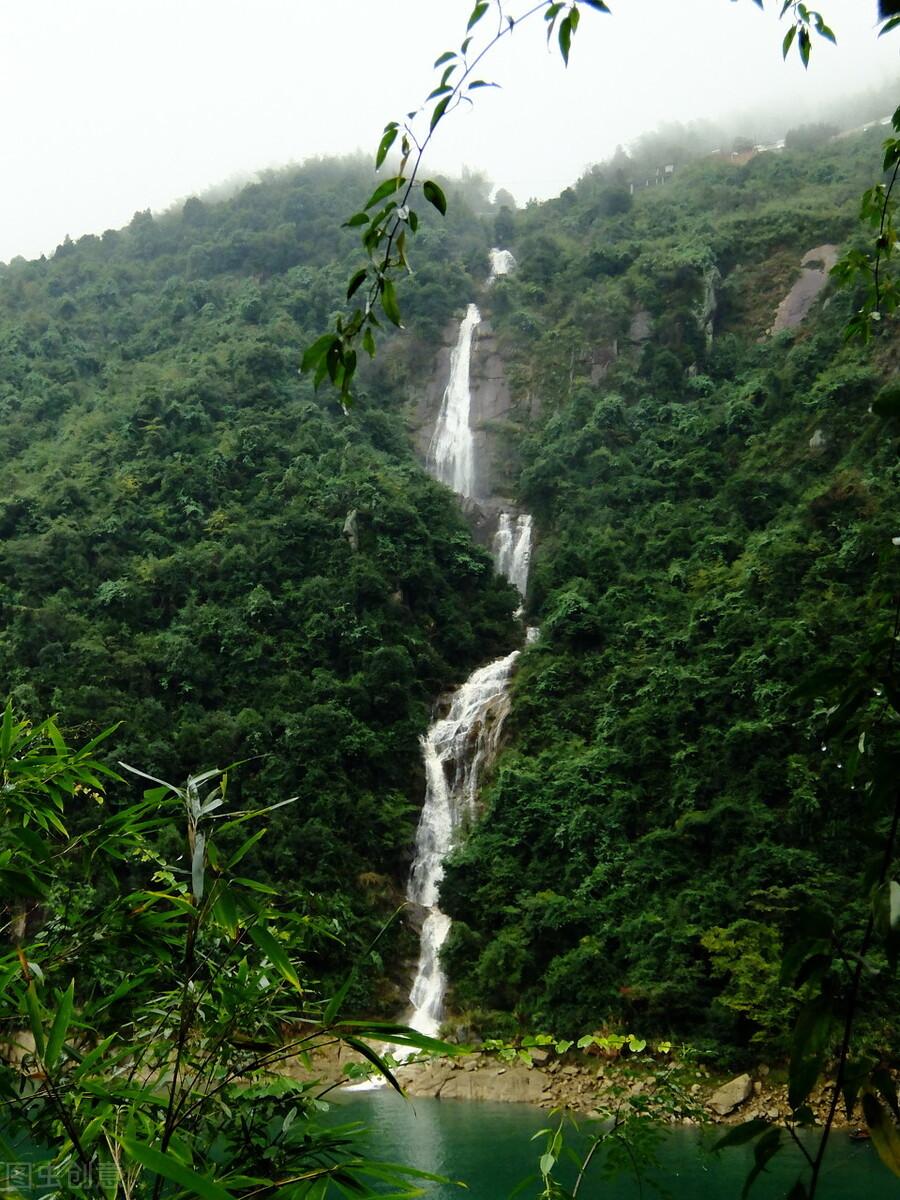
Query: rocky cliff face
[[492, 418]]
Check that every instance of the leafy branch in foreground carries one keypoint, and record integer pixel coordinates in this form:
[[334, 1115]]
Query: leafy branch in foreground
[[165, 1068], [834, 960], [869, 267], [388, 215]]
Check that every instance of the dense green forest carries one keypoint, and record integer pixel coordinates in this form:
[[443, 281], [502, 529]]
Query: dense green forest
[[197, 545], [715, 515]]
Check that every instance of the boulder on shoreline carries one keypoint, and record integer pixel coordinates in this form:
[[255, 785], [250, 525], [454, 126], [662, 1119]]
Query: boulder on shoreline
[[731, 1095]]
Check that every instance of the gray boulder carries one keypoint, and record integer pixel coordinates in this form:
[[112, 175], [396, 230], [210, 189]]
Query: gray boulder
[[731, 1095]]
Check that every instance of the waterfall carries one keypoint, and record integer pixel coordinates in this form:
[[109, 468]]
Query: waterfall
[[454, 749], [451, 454], [512, 549], [502, 262], [459, 745]]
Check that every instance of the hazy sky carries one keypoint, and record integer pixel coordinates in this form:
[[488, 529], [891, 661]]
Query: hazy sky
[[116, 105]]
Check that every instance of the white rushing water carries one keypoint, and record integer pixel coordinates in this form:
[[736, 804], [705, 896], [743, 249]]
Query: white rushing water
[[459, 745], [502, 262], [451, 454], [455, 749], [512, 549]]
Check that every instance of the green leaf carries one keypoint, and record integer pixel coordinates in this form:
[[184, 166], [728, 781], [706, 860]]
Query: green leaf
[[356, 220], [170, 1168], [35, 1019], [893, 23], [812, 1035], [767, 1146], [315, 353], [369, 343], [825, 31], [885, 1084], [373, 1057], [788, 41], [383, 190], [405, 1035], [885, 1137], [98, 1054], [439, 109], [389, 302], [225, 910], [6, 731], [565, 37], [60, 1026], [384, 145], [742, 1133], [800, 953], [245, 847], [446, 57], [434, 195], [275, 954], [356, 283], [477, 13], [856, 1073], [599, 6], [805, 45]]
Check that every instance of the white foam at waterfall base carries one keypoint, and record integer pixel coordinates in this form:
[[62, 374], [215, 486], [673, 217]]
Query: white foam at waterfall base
[[451, 454]]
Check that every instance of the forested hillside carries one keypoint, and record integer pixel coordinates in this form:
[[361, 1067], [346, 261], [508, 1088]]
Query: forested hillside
[[195, 544], [715, 511]]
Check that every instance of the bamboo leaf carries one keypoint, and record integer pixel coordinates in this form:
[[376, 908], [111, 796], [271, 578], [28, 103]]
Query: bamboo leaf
[[368, 1053], [60, 1026], [275, 954], [35, 1019], [6, 731], [170, 1168]]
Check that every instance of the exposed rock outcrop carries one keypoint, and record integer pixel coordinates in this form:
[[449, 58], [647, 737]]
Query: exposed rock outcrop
[[814, 268], [491, 409]]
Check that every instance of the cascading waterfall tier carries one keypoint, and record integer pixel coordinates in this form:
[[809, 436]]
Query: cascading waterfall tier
[[455, 749], [459, 745], [502, 262], [512, 549], [451, 454]]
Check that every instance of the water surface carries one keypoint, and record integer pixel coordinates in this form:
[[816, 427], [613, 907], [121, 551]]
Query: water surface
[[489, 1147]]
